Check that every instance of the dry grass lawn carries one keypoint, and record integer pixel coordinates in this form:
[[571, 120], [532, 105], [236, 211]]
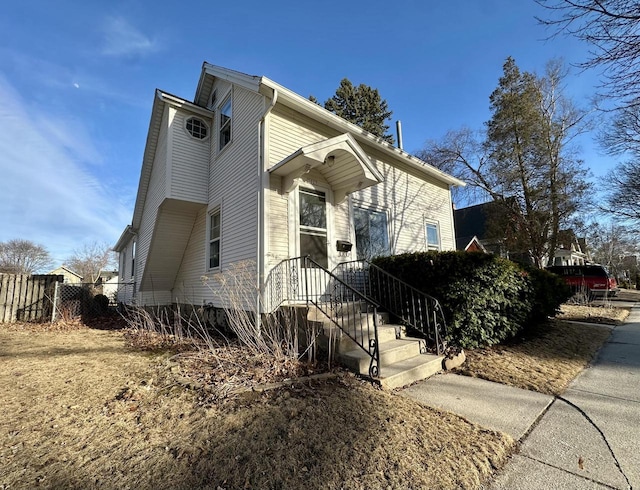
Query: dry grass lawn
[[545, 360], [593, 314], [81, 410]]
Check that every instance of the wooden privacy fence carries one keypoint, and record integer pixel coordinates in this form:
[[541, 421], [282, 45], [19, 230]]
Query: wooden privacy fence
[[25, 297]]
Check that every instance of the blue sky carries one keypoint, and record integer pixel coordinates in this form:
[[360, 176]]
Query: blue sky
[[77, 82]]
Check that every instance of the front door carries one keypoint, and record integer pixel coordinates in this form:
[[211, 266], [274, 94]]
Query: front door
[[313, 241], [313, 225]]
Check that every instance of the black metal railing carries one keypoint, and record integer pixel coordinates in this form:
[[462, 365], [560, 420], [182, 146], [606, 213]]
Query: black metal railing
[[301, 280], [415, 309]]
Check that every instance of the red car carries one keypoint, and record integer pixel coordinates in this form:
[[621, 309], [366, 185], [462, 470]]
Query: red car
[[593, 280]]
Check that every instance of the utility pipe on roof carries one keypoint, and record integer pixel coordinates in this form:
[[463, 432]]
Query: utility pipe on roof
[[261, 207]]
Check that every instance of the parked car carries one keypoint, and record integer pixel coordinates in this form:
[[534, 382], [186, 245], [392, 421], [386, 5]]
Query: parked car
[[592, 280]]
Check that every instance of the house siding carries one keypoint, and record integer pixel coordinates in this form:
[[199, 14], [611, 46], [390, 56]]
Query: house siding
[[234, 179], [233, 187], [189, 163], [410, 197], [189, 287], [156, 193], [411, 201]]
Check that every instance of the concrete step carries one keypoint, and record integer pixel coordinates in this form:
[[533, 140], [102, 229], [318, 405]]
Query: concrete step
[[410, 370], [343, 343], [391, 352], [349, 312]]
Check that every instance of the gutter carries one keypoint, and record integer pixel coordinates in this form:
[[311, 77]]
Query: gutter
[[262, 176]]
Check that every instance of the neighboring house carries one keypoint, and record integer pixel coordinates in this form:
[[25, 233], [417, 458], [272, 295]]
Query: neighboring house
[[110, 287], [477, 229], [474, 231], [251, 172], [70, 277], [470, 245], [571, 250]]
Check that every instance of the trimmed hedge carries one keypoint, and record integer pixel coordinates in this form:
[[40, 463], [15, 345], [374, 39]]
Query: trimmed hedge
[[485, 299]]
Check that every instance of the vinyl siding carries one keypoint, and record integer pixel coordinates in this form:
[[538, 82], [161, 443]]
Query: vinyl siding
[[410, 197], [188, 168], [234, 179], [156, 193], [189, 287], [232, 186], [278, 218], [411, 201]]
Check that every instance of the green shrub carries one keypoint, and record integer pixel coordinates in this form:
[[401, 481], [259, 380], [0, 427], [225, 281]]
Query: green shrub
[[102, 303], [549, 291], [485, 299]]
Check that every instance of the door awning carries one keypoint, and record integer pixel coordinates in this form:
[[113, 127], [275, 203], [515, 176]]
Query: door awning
[[341, 161]]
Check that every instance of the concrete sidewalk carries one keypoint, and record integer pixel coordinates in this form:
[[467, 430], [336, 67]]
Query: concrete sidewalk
[[589, 438]]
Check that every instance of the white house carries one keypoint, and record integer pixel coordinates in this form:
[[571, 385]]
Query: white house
[[251, 171]]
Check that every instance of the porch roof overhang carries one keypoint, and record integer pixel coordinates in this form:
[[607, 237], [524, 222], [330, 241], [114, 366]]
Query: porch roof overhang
[[341, 161]]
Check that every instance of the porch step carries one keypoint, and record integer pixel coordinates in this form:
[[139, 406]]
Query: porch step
[[390, 352], [344, 343], [410, 370], [400, 362]]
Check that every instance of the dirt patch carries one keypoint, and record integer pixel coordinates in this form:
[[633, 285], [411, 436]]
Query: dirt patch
[[84, 411], [593, 314], [545, 361]]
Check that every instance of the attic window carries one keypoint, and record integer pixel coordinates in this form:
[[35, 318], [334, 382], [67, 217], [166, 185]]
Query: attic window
[[197, 128]]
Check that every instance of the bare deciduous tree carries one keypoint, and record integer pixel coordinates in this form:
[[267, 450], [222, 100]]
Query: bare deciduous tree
[[525, 162], [611, 29], [90, 260], [23, 257]]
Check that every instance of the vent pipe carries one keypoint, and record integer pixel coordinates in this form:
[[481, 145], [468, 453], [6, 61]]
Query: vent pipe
[[399, 132]]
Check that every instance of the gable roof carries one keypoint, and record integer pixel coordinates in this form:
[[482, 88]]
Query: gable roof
[[271, 89], [472, 221], [160, 100], [64, 270]]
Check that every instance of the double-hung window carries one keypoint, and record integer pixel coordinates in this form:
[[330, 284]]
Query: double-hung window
[[372, 232], [225, 123], [133, 260], [214, 239], [433, 235]]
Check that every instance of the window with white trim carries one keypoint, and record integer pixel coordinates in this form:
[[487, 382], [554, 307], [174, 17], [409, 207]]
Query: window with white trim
[[214, 239], [225, 122], [372, 232], [432, 235], [197, 128], [133, 260]]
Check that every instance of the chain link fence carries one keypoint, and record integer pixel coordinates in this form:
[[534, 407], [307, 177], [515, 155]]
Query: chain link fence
[[85, 300]]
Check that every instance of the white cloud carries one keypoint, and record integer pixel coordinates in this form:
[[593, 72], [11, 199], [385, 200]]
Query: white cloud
[[122, 39], [59, 77], [48, 194]]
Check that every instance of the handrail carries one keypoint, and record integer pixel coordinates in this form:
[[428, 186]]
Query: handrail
[[301, 279], [414, 308]]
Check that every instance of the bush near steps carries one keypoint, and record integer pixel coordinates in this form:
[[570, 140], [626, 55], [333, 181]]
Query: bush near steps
[[485, 299]]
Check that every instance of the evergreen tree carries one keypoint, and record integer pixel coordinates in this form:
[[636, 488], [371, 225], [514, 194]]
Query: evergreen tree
[[525, 163], [361, 105]]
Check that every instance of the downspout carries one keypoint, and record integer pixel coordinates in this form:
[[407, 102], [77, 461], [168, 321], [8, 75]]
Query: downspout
[[260, 258]]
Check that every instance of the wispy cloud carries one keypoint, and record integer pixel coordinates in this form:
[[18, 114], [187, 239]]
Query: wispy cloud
[[48, 194], [56, 76], [124, 40]]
